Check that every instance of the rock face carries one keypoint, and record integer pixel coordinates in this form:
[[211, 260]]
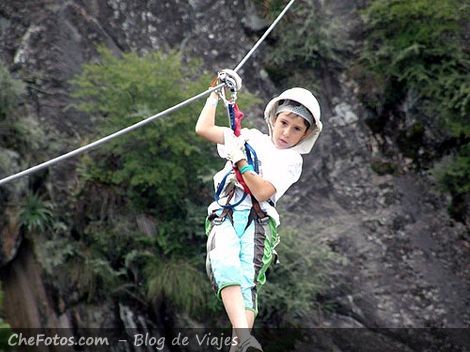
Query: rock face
[[394, 230], [408, 261]]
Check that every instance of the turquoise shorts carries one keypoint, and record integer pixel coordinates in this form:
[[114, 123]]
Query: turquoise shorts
[[239, 251]]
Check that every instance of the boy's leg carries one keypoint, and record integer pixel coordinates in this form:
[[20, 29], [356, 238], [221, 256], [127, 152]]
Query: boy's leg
[[236, 296], [221, 255], [223, 262], [251, 255], [250, 318], [235, 307], [223, 268]]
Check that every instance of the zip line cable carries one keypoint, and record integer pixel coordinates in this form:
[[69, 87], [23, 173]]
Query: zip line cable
[[260, 40], [105, 139], [148, 119]]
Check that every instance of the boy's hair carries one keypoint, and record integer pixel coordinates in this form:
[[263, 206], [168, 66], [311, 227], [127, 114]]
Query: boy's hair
[[296, 108]]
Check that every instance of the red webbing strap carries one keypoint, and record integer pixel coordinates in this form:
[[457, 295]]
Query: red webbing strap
[[238, 120], [237, 130]]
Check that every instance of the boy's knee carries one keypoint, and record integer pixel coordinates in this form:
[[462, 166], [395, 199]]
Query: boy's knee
[[225, 268], [250, 298]]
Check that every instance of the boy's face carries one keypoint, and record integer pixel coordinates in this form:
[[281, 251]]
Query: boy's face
[[288, 130]]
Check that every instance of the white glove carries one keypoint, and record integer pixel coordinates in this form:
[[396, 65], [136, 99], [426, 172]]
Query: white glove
[[235, 147], [231, 78]]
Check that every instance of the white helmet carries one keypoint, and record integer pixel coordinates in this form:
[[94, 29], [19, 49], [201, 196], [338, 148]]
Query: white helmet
[[306, 98]]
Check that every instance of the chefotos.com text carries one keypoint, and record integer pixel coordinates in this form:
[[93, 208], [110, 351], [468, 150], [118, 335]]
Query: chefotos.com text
[[18, 339]]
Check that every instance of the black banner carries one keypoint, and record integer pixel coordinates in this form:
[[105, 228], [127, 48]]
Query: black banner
[[207, 340]]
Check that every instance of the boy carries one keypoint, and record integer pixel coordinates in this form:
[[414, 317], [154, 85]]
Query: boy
[[241, 240]]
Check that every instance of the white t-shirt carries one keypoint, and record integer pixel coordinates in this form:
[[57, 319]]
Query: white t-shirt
[[280, 167]]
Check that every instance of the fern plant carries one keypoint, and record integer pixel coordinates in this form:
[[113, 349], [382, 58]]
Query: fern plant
[[36, 213], [179, 281], [418, 46], [415, 52]]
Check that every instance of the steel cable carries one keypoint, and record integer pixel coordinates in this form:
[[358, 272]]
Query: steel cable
[[148, 119]]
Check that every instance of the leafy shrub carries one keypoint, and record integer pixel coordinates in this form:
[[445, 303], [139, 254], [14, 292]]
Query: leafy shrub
[[162, 170], [10, 90], [308, 41], [417, 49], [53, 254], [13, 133], [100, 278], [19, 134], [457, 175], [160, 165], [418, 46], [157, 169], [305, 272], [454, 176], [36, 213]]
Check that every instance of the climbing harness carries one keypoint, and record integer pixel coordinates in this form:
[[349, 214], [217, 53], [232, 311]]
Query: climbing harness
[[148, 119], [235, 117]]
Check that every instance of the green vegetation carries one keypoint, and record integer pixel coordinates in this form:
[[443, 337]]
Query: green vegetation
[[158, 178], [416, 49], [418, 46], [308, 41], [161, 171], [179, 280], [414, 58], [457, 175], [11, 136], [164, 161], [10, 90], [36, 213], [140, 200], [19, 133], [384, 167], [304, 273], [454, 176]]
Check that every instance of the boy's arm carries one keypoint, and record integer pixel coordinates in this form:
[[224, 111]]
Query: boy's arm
[[261, 189], [205, 126]]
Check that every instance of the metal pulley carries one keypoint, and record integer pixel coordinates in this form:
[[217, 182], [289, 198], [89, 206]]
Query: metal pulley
[[232, 82], [231, 79]]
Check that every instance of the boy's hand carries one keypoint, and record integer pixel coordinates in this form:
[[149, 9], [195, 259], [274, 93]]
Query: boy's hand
[[235, 148]]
